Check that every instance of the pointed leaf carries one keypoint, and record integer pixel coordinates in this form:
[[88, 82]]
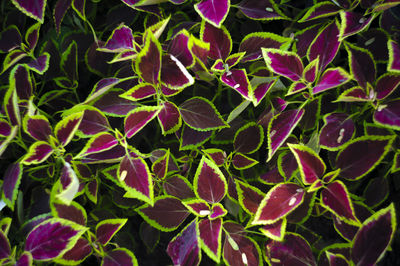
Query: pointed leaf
[[139, 92], [249, 138], [179, 187], [119, 257], [353, 23], [69, 184], [11, 180], [106, 229], [279, 202], [217, 211], [386, 84], [261, 90], [100, 142], [337, 130], [40, 64], [73, 212], [10, 39], [38, 152], [260, 10], [138, 118], [355, 94], [5, 128], [213, 12], [65, 129], [219, 38], [275, 231], [388, 115], [22, 80], [148, 61], [362, 65], [190, 139], [320, 10], [283, 63], [101, 88], [210, 237], [238, 80], [38, 127], [69, 62], [174, 74], [121, 39], [5, 248], [331, 78], [77, 254], [249, 197], [241, 161], [25, 259], [179, 48], [311, 70], [93, 122], [34, 9], [197, 206], [394, 56], [218, 156], [10, 105], [59, 12], [360, 156], [52, 238]]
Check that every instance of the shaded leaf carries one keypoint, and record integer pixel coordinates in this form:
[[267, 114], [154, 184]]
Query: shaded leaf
[[106, 229]]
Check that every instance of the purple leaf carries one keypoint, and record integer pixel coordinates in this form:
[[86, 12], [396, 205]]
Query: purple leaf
[[191, 139], [69, 184], [296, 87], [101, 88], [240, 161], [169, 118], [213, 12], [32, 36], [388, 115], [287, 64], [184, 248], [114, 154], [135, 177], [295, 250], [5, 248], [11, 107], [93, 122], [275, 231], [179, 48], [279, 202], [5, 128], [40, 64], [249, 138], [287, 164], [216, 155], [210, 237], [311, 166], [280, 127], [52, 238], [355, 94], [209, 182], [353, 23], [139, 92], [219, 38], [377, 191], [25, 259], [21, 79], [375, 40], [249, 197], [261, 90], [325, 45], [305, 38], [112, 104], [174, 74], [66, 128], [234, 59], [138, 118], [374, 237], [32, 8], [320, 10], [362, 65], [38, 127], [260, 10], [337, 130], [77, 253], [336, 259], [106, 229], [10, 39], [148, 61], [69, 62], [197, 206], [59, 12], [386, 84], [238, 80], [160, 165], [98, 143], [119, 257], [73, 212], [121, 39], [166, 214], [394, 56], [303, 211], [331, 78], [311, 70], [200, 114], [360, 156], [217, 211], [336, 199], [38, 152], [91, 190]]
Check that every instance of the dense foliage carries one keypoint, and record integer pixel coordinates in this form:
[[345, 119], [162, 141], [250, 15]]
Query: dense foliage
[[183, 132]]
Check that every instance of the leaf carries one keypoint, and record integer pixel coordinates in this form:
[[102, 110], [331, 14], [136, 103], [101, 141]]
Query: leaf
[[25, 259], [337, 130], [184, 248], [77, 254], [217, 211], [11, 181], [138, 118], [79, 7], [101, 88], [166, 214], [361, 64], [38, 127], [238, 80], [5, 248], [179, 48], [22, 80], [10, 39], [10, 106], [69, 184], [311, 166], [331, 78], [119, 256], [121, 39], [174, 74], [310, 72], [59, 12], [249, 197], [210, 237], [249, 138], [38, 153], [52, 238], [200, 114], [278, 203], [336, 199], [148, 61], [353, 23], [280, 127], [106, 229], [275, 231], [394, 56], [190, 139], [135, 177], [218, 156], [388, 115], [66, 128], [73, 212], [197, 206], [295, 250], [219, 38], [213, 12], [261, 90], [260, 10], [40, 64], [69, 62], [32, 36], [320, 10], [287, 64], [93, 122], [98, 143], [179, 187], [209, 182], [374, 237], [241, 161], [361, 155], [34, 9], [355, 94], [140, 91], [386, 84]]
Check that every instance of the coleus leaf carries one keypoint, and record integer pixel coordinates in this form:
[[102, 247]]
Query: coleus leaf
[[311, 166], [361, 155], [5, 128], [184, 248], [200, 114], [219, 38], [241, 161], [59, 12], [261, 90], [252, 43], [174, 74], [38, 152], [217, 211], [166, 214], [355, 94], [179, 48], [191, 139], [250, 197], [249, 138], [305, 38], [209, 182], [388, 115], [374, 237], [336, 199], [101, 88], [238, 80], [198, 207], [11, 181], [353, 23], [32, 36], [40, 64], [386, 84], [69, 184], [10, 105], [362, 65], [77, 254], [52, 238], [295, 250], [79, 7], [66, 128], [10, 39], [325, 45], [5, 248], [100, 142], [119, 256], [213, 12], [278, 203], [93, 122], [199, 49], [260, 10], [34, 9], [287, 165], [210, 237], [135, 177], [91, 190], [320, 10], [138, 118], [72, 212], [148, 61], [22, 80], [179, 187], [25, 259], [141, 91], [69, 62], [331, 78], [287, 64], [337, 130], [121, 39], [275, 231], [106, 229], [311, 70], [160, 166], [394, 56], [280, 127]]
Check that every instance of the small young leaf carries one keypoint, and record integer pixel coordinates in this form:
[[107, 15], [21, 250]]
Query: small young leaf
[[38, 152], [5, 248], [260, 10], [106, 229], [77, 254], [388, 115], [65, 129], [69, 184], [73, 212], [353, 23], [169, 118], [121, 39], [320, 10]]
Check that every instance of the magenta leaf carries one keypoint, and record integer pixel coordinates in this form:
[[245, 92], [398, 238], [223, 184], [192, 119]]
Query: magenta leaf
[[320, 10], [112, 155], [325, 45], [138, 118], [66, 128], [287, 64], [73, 212], [213, 12], [200, 114], [121, 39], [241, 161], [275, 231], [303, 212], [32, 36], [337, 130], [38, 152], [197, 206], [280, 127], [166, 214], [386, 84], [252, 43], [209, 182], [260, 10], [296, 87], [311, 70], [331, 78], [305, 38], [93, 122], [52, 238], [374, 237], [218, 156], [362, 65], [249, 197], [219, 38], [261, 90], [238, 80], [25, 259], [184, 248], [336, 199], [135, 177], [77, 253], [106, 229], [388, 115], [174, 74], [279, 202], [5, 248], [355, 94], [119, 257], [353, 23], [217, 211], [295, 250], [34, 9], [210, 237], [311, 166], [179, 48], [11, 182], [394, 56], [140, 91], [160, 165], [98, 143], [148, 61], [360, 156]]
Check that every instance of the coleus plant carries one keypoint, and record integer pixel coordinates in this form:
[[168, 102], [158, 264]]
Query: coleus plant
[[246, 132]]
